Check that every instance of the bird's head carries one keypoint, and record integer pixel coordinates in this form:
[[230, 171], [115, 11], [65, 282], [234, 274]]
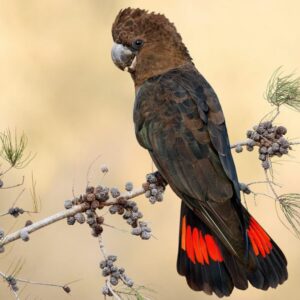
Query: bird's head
[[146, 44]]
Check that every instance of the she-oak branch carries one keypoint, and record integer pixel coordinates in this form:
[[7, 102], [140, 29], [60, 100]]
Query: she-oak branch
[[63, 215]]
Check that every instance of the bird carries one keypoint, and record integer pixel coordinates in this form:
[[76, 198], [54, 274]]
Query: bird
[[179, 120]]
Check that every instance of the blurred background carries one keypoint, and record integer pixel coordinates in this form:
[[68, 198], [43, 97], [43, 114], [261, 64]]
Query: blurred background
[[59, 86]]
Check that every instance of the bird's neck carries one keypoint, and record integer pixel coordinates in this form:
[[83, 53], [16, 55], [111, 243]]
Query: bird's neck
[[151, 63]]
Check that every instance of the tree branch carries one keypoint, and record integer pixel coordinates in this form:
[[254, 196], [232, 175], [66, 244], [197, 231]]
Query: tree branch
[[43, 223], [63, 215]]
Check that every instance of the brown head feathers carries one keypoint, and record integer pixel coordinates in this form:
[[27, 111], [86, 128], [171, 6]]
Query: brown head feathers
[[162, 48]]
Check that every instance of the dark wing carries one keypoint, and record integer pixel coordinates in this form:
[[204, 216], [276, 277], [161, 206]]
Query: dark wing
[[179, 120], [210, 112]]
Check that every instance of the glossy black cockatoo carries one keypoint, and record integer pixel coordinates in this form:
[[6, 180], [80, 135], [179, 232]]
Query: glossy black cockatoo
[[179, 120]]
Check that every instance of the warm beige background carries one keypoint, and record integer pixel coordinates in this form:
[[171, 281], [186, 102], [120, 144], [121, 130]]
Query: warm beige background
[[58, 84]]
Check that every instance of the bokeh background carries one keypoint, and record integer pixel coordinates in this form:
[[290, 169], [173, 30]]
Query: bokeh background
[[59, 86]]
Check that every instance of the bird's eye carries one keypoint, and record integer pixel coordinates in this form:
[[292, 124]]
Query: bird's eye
[[137, 44]]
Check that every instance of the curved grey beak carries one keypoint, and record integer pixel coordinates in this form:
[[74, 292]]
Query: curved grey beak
[[122, 56]]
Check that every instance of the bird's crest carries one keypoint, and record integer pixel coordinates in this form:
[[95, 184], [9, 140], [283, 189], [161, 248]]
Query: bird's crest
[[134, 22]]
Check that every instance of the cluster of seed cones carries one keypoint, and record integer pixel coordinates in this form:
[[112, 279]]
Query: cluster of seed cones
[[155, 188], [95, 199], [270, 141], [115, 274]]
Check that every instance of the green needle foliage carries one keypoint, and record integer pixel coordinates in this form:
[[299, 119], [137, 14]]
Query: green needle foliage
[[290, 206], [136, 293], [284, 89], [12, 149]]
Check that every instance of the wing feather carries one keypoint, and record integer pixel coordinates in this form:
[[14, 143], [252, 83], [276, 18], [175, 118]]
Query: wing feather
[[178, 118]]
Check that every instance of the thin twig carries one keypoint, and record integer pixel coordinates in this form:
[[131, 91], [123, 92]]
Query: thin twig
[[27, 281], [262, 194], [14, 186], [276, 198], [6, 171], [15, 294], [242, 143], [276, 115], [112, 290], [43, 223], [263, 182], [269, 114], [89, 169], [39, 283], [35, 198], [271, 185], [116, 228], [18, 197], [101, 245]]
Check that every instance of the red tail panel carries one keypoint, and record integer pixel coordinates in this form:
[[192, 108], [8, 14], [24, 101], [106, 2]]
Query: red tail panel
[[260, 241], [196, 243], [199, 245], [189, 244], [208, 266], [213, 249], [203, 247]]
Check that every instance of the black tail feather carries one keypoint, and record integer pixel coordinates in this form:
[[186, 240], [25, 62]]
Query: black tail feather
[[271, 270], [209, 267], [210, 277]]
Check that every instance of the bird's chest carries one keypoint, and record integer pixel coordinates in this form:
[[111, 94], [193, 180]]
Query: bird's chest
[[155, 116], [158, 112]]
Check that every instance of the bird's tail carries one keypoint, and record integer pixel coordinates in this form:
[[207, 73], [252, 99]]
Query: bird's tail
[[209, 267]]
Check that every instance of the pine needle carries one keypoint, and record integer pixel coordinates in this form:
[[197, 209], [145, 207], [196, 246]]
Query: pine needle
[[283, 90], [135, 293], [290, 206], [12, 149]]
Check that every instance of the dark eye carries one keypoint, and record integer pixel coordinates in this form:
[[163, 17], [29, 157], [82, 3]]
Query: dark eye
[[137, 44]]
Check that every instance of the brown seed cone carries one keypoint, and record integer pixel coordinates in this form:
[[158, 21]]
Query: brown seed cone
[[97, 230], [268, 144], [99, 220], [145, 186], [98, 189], [122, 200], [134, 224], [79, 200], [87, 205], [90, 197], [95, 204], [66, 289], [90, 190], [28, 223], [121, 210]]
